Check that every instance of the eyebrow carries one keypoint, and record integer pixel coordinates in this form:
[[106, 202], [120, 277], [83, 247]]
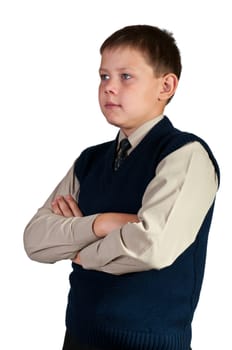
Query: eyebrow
[[119, 69]]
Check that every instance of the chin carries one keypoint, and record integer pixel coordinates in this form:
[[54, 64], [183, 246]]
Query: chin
[[114, 121]]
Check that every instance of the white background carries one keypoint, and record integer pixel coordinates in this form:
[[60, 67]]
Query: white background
[[49, 60]]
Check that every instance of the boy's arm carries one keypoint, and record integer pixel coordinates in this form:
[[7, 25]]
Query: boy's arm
[[174, 206], [59, 230], [103, 223], [50, 236]]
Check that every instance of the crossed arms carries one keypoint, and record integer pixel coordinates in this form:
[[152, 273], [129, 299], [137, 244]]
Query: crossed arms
[[103, 224], [174, 206]]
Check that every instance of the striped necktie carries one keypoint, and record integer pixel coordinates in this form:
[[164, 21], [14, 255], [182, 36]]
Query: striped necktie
[[124, 146]]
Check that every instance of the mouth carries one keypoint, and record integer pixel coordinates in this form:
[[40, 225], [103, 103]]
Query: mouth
[[111, 105]]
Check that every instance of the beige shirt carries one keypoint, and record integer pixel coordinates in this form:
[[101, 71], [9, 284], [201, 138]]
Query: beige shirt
[[173, 208]]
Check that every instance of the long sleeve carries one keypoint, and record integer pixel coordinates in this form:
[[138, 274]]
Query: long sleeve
[[49, 237], [174, 206]]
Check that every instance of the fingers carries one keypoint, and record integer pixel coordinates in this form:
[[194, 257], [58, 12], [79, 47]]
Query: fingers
[[60, 207], [55, 207], [66, 206], [73, 206], [77, 259]]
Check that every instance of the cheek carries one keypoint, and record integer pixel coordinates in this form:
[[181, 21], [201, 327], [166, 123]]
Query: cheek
[[149, 95], [141, 98], [100, 93]]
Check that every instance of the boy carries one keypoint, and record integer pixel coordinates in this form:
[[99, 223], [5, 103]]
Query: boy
[[133, 214]]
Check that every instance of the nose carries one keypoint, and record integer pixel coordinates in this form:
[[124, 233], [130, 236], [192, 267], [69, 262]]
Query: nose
[[110, 87]]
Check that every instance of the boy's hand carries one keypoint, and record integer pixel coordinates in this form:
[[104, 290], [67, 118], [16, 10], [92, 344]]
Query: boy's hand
[[77, 259], [107, 222], [66, 206]]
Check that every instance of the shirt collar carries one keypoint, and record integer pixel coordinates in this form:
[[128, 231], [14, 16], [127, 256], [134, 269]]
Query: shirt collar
[[141, 132]]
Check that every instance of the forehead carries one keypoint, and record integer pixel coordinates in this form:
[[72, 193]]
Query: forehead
[[123, 57]]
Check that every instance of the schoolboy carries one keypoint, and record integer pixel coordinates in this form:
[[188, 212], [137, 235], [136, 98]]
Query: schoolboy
[[133, 216]]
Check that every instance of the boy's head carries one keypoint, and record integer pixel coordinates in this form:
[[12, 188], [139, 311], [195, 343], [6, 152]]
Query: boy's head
[[139, 71], [158, 46]]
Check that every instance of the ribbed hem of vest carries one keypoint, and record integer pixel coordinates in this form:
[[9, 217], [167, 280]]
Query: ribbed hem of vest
[[115, 339]]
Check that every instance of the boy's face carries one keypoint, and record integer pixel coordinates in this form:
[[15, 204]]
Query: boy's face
[[129, 90]]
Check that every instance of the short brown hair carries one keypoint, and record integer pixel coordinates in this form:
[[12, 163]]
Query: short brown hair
[[159, 46]]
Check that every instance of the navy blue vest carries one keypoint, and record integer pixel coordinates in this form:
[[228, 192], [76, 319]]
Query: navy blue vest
[[149, 310]]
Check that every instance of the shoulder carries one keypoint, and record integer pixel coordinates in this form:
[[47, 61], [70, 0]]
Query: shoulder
[[184, 145], [169, 139], [186, 153], [175, 139]]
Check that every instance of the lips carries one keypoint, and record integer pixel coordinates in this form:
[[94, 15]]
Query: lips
[[112, 105]]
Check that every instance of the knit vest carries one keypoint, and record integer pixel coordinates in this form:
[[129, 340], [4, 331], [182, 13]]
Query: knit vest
[[150, 310]]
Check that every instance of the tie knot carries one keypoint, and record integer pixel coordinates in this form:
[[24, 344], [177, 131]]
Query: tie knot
[[124, 145]]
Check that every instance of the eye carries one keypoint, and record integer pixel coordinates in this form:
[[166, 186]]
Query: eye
[[104, 77], [125, 76]]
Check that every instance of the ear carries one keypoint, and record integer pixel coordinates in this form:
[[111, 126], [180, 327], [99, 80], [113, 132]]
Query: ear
[[168, 88]]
